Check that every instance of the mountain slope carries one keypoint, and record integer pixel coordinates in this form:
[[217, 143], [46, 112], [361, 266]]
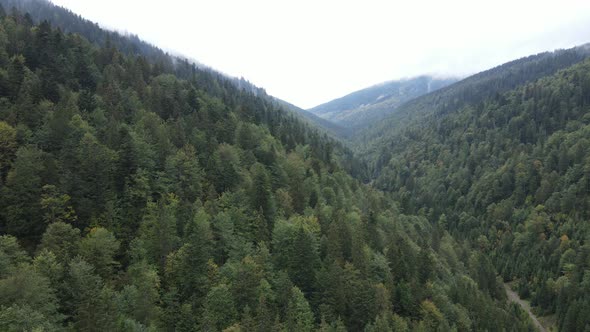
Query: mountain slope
[[40, 10], [328, 126], [141, 193], [472, 90], [501, 159], [366, 106]]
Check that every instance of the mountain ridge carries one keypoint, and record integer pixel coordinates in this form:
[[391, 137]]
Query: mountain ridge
[[363, 107], [68, 21], [474, 88]]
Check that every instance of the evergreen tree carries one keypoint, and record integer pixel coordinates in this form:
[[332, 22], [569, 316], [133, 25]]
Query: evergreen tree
[[299, 316], [62, 240], [220, 311], [100, 247]]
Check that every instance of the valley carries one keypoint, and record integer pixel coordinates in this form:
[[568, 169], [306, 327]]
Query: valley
[[142, 191]]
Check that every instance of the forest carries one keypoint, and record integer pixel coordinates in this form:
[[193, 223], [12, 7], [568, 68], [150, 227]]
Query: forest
[[142, 195], [509, 173], [141, 191]]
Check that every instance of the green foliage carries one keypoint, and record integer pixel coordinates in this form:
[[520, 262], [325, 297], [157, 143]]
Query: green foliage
[[21, 197], [158, 235], [184, 175], [220, 310], [500, 160], [7, 146], [299, 315], [140, 299], [100, 247], [296, 249], [56, 207], [17, 318], [11, 255], [91, 302], [27, 290], [262, 199], [151, 194], [62, 240], [187, 268]]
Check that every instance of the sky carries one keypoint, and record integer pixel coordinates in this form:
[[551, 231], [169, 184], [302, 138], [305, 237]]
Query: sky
[[308, 52]]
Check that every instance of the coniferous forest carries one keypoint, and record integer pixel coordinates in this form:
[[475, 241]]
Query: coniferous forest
[[143, 192]]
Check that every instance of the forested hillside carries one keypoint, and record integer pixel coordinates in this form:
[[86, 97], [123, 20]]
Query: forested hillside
[[331, 128], [129, 44], [507, 170], [367, 106], [141, 193], [472, 90]]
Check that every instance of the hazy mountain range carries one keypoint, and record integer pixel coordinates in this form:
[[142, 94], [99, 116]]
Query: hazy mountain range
[[365, 106]]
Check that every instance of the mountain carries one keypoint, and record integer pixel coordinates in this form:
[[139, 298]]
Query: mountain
[[326, 125], [363, 107], [501, 159], [40, 10], [142, 192], [474, 89]]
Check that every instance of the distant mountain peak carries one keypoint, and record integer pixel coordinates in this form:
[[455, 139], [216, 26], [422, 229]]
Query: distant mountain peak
[[363, 107]]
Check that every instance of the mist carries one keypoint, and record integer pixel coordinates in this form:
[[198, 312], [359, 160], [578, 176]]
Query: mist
[[308, 52]]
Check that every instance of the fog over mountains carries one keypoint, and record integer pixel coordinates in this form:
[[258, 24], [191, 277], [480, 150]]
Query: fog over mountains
[[363, 107]]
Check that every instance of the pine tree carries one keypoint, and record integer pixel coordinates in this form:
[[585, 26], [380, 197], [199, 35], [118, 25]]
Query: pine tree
[[261, 196], [16, 75], [158, 235], [100, 247], [220, 311], [8, 148], [90, 301], [62, 240], [299, 316], [188, 267], [21, 197]]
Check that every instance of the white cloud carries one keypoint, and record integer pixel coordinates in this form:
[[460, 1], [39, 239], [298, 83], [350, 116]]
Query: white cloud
[[310, 51]]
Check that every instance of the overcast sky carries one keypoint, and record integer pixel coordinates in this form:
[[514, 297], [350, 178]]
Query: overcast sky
[[311, 51]]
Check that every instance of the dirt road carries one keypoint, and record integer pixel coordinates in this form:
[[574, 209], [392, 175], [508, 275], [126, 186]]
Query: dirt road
[[513, 296]]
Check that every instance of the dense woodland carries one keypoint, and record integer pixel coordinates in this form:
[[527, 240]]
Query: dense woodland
[[508, 172], [143, 193]]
